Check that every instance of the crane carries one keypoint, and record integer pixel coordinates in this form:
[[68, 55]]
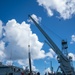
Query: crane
[[65, 65]]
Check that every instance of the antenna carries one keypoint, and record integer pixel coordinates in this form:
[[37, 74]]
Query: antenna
[[51, 67], [29, 55]]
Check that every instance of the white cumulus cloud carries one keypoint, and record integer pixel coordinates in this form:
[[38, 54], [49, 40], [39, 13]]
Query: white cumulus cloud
[[17, 38], [37, 19], [25, 63], [72, 55], [2, 48], [47, 70], [14, 44], [0, 28], [65, 8], [72, 39], [50, 54]]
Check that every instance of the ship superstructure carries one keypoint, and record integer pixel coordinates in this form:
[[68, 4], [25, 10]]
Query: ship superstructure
[[10, 70]]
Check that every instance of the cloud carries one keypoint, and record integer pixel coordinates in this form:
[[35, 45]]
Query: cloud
[[37, 19], [47, 70], [2, 47], [14, 45], [72, 55], [0, 28], [65, 8], [50, 54], [25, 63], [17, 38], [72, 39], [9, 62], [22, 63]]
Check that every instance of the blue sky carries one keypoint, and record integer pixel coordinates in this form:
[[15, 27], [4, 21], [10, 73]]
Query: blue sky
[[56, 21]]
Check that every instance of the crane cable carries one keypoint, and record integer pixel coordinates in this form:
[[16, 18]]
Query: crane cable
[[48, 29]]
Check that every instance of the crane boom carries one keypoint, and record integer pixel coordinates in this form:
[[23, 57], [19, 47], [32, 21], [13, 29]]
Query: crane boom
[[64, 61], [55, 48]]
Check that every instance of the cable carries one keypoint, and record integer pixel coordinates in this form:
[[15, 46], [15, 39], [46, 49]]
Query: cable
[[52, 31]]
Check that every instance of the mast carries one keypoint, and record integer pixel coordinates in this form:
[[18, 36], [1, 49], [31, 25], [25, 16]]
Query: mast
[[51, 67], [29, 55]]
